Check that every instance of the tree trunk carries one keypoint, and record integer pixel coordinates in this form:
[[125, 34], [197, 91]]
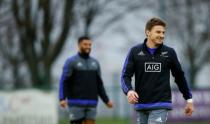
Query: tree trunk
[[192, 77], [17, 82]]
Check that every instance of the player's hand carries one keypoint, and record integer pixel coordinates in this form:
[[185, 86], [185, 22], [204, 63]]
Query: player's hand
[[109, 104], [63, 103], [132, 97], [189, 109]]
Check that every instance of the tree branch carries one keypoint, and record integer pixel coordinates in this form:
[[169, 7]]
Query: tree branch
[[67, 21]]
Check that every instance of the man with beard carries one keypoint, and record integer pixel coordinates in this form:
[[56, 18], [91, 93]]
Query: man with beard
[[151, 63], [81, 84]]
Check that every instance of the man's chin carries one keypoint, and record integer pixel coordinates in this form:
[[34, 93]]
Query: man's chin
[[159, 42], [87, 53]]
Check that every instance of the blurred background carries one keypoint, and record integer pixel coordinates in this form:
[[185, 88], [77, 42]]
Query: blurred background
[[37, 36]]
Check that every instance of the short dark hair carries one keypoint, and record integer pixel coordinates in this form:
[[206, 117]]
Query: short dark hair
[[153, 22], [80, 39]]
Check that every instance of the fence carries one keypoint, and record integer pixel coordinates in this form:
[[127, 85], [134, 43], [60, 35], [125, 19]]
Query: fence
[[28, 107]]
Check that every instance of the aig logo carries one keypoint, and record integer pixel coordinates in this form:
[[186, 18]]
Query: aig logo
[[152, 67]]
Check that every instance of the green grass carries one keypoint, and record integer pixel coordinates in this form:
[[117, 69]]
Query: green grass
[[190, 123], [104, 121], [113, 121], [126, 121]]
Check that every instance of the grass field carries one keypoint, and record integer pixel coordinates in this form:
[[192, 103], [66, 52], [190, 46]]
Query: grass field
[[128, 121], [113, 121], [105, 121]]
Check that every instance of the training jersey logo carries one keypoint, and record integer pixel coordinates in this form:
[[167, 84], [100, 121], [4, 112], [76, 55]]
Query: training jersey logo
[[141, 53], [152, 67], [164, 54], [79, 64], [93, 64]]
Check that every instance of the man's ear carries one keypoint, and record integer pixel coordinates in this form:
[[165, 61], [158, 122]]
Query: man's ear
[[147, 32], [79, 47]]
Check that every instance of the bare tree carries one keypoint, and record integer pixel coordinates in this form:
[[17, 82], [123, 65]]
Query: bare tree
[[100, 15], [12, 57], [39, 42], [188, 22], [43, 26]]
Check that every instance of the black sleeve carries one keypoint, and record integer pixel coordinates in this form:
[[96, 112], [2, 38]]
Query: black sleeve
[[178, 74], [101, 89], [127, 73], [66, 74]]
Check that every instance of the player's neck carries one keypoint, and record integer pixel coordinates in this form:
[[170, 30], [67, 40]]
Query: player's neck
[[151, 44], [84, 55]]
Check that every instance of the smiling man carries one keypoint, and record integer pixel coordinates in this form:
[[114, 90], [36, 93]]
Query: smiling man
[[151, 63], [81, 84]]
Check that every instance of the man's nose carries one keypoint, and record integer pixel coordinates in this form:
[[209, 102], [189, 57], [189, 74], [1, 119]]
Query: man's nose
[[162, 35], [88, 47]]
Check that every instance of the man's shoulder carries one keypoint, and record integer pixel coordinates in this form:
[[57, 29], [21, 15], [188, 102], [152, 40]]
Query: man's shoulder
[[137, 46], [93, 59], [171, 51], [72, 59], [168, 48]]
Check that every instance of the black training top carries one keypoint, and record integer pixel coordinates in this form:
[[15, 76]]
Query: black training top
[[81, 82], [152, 76]]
